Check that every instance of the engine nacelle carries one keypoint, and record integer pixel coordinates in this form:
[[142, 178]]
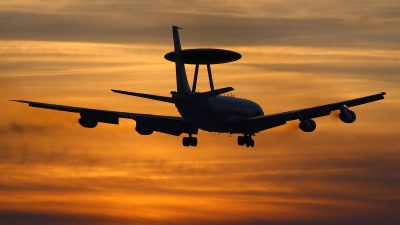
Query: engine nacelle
[[307, 125], [87, 123], [143, 130], [347, 116]]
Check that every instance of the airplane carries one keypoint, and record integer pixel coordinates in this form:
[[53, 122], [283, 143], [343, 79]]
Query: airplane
[[211, 110]]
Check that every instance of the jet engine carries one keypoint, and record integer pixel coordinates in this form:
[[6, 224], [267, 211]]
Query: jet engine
[[307, 125], [87, 123], [143, 130], [347, 116]]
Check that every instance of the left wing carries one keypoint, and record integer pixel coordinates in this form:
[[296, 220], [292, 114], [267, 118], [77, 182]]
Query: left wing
[[145, 123], [259, 123]]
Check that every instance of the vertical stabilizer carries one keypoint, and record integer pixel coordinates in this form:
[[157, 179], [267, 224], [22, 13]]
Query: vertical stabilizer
[[182, 83]]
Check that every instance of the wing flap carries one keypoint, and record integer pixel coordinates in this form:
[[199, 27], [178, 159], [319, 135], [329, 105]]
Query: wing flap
[[257, 124], [166, 126], [314, 112], [100, 116]]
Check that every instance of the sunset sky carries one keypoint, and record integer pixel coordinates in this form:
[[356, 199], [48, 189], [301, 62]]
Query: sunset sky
[[295, 54]]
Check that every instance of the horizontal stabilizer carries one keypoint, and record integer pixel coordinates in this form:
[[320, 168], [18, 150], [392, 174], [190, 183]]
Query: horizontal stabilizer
[[205, 95], [154, 97]]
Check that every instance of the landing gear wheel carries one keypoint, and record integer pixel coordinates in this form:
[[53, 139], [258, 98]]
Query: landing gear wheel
[[193, 141], [240, 140], [189, 141], [186, 141], [245, 140]]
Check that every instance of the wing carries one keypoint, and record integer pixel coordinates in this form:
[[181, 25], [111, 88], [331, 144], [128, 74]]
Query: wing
[[145, 123], [259, 123]]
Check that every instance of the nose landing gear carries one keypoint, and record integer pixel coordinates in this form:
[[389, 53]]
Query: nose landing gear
[[246, 140], [189, 141]]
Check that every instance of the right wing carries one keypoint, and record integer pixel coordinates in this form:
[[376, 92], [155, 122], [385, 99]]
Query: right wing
[[145, 123], [260, 123]]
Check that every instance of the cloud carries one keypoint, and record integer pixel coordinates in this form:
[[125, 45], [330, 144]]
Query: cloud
[[295, 55], [36, 218], [21, 128], [379, 72], [132, 22]]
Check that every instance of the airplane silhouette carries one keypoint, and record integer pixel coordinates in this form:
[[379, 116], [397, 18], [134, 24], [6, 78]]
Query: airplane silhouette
[[209, 111]]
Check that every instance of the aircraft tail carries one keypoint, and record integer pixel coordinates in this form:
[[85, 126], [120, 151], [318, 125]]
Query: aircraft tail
[[182, 84]]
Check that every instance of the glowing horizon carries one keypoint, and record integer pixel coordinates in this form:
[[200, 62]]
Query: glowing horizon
[[54, 171]]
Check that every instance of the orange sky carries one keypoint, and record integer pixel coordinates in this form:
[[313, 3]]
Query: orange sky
[[295, 55]]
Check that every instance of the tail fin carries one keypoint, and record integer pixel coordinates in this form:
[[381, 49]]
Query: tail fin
[[182, 83]]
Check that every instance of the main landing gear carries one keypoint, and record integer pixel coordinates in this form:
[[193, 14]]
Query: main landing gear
[[246, 140], [189, 141]]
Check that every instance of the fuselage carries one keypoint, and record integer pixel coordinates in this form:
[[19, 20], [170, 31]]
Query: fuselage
[[208, 110], [214, 114]]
